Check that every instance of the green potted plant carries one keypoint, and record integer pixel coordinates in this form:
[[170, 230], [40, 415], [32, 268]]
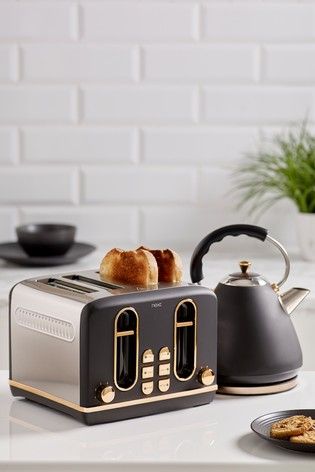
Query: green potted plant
[[284, 169]]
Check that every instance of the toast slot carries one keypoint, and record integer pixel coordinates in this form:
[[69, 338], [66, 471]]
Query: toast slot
[[67, 286], [126, 349], [94, 282], [185, 341]]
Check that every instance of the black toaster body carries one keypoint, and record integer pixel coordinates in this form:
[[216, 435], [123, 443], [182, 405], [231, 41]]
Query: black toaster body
[[104, 353]]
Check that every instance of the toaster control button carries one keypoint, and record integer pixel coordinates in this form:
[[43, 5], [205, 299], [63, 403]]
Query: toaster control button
[[147, 388], [106, 394], [164, 354], [147, 372], [148, 356], [206, 376], [164, 385], [164, 369]]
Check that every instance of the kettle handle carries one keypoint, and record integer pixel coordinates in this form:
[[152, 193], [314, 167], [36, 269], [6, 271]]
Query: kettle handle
[[253, 231]]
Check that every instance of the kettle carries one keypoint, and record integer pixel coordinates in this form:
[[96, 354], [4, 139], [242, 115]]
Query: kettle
[[258, 347]]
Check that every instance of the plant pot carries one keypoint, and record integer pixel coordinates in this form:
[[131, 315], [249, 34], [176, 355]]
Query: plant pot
[[306, 235]]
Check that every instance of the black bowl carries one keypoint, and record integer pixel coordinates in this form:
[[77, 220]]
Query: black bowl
[[44, 240]]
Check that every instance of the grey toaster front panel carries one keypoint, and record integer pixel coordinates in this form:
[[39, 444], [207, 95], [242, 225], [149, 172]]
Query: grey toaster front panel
[[45, 341]]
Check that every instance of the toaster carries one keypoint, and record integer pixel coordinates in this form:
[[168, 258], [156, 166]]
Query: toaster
[[103, 352]]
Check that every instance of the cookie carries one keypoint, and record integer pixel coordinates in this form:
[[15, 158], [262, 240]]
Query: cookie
[[306, 438], [292, 426]]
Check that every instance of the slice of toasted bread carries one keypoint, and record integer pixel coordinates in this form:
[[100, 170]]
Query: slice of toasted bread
[[169, 264], [130, 267]]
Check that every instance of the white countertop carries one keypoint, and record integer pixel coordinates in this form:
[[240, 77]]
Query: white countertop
[[213, 437]]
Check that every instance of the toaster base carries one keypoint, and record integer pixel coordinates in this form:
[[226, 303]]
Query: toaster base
[[118, 414], [258, 389]]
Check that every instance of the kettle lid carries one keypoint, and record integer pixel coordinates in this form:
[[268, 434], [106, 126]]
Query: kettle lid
[[244, 278]]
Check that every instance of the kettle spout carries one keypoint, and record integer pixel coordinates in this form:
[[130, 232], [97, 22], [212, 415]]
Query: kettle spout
[[292, 298]]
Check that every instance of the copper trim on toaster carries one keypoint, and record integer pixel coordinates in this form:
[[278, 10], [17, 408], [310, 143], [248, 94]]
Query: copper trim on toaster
[[118, 334], [181, 325], [111, 406]]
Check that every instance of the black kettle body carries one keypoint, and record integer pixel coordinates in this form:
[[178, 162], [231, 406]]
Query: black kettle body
[[257, 342]]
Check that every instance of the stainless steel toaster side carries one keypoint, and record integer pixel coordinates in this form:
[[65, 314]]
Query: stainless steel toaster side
[[45, 341]]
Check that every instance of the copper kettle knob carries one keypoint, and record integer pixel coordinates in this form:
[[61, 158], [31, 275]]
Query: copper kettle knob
[[244, 266], [206, 376]]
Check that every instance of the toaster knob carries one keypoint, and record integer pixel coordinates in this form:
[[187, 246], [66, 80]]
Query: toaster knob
[[106, 394], [206, 376]]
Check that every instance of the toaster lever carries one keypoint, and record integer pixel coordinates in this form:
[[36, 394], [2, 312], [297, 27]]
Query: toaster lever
[[125, 333]]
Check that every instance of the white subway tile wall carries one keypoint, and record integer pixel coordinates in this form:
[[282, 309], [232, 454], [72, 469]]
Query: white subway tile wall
[[141, 104], [8, 145], [37, 103], [139, 185], [140, 21], [127, 117], [36, 20], [8, 63], [79, 144], [37, 184]]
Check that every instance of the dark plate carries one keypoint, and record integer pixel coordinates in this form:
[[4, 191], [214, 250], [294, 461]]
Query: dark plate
[[12, 252], [262, 426]]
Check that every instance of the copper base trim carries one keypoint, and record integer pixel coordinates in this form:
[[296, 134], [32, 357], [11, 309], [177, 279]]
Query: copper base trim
[[259, 390], [112, 406]]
